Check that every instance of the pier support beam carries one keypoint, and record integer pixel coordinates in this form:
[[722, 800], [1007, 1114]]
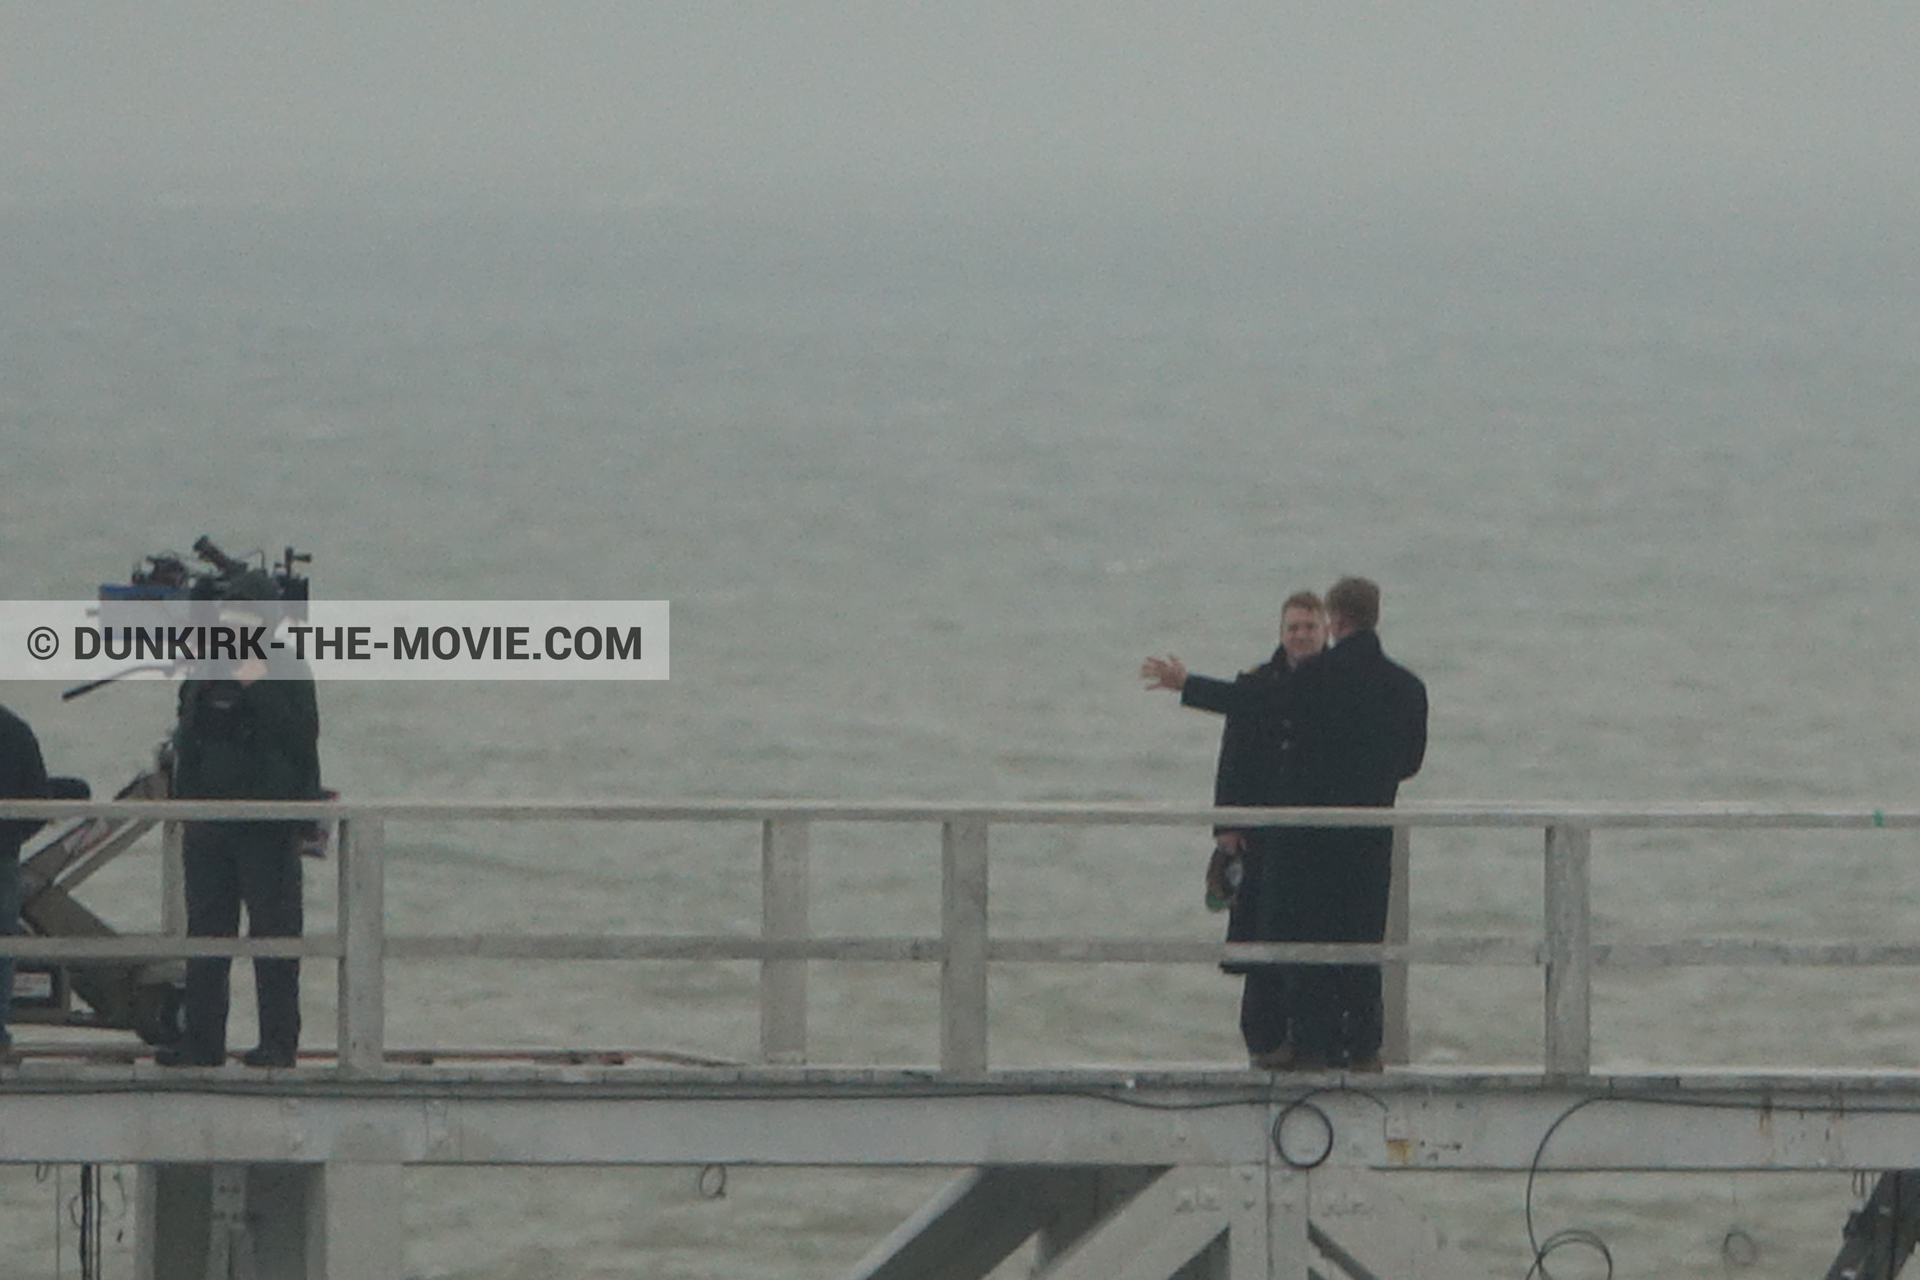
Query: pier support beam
[[353, 1222], [966, 1230], [269, 1222], [1218, 1223], [1082, 1198], [1114, 1222], [1881, 1236]]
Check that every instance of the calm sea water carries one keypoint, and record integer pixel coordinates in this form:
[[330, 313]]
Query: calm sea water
[[922, 491]]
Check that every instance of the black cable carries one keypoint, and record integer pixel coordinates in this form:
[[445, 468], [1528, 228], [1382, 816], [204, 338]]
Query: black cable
[[1119, 1095], [1569, 1238], [1305, 1103], [86, 1213], [1738, 1248], [1305, 1107], [1355, 1090], [89, 1244], [1540, 1252], [1588, 1239], [79, 1216], [120, 1215], [1893, 1228]]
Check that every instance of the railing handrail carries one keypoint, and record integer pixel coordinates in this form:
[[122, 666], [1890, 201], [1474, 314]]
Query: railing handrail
[[1452, 813], [966, 945]]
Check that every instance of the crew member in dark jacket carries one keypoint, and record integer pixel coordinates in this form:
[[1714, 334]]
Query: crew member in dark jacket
[[1256, 746], [1360, 722], [23, 776], [245, 737]]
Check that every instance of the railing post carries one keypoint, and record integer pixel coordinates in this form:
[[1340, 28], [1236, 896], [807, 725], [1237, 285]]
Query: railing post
[[1395, 1041], [363, 941], [1569, 927], [783, 915], [963, 927], [173, 880]]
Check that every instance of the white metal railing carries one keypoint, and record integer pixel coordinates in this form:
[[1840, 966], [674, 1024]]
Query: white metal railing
[[965, 947]]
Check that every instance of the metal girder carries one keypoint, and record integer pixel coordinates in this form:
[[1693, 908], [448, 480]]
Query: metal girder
[[1081, 1199], [1880, 1237], [1365, 1231], [1198, 1223], [966, 1230], [269, 1222], [619, 1116], [1178, 1217], [258, 1122]]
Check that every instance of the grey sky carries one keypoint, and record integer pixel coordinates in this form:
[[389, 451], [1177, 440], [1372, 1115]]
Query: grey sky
[[1713, 99]]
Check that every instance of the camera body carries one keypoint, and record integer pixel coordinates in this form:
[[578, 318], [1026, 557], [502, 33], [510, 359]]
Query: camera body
[[196, 590]]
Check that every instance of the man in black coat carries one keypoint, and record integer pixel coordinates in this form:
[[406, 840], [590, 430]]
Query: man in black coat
[[1360, 724], [23, 776], [1256, 746], [249, 734]]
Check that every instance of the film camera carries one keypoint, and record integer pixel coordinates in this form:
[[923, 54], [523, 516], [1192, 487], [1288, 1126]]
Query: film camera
[[194, 595], [168, 577]]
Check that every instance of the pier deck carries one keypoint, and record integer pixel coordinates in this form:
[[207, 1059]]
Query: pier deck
[[1148, 1170]]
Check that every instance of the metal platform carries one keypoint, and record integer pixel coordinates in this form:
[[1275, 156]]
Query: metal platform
[[1154, 1171]]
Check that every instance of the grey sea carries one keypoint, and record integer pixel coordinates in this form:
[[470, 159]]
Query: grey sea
[[922, 488]]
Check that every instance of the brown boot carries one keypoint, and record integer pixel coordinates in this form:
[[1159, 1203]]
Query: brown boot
[[1280, 1059]]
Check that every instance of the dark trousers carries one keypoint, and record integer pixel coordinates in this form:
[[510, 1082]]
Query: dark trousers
[[1319, 886], [228, 865], [9, 924]]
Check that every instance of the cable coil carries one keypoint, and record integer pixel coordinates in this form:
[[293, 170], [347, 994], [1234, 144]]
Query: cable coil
[[1302, 1106]]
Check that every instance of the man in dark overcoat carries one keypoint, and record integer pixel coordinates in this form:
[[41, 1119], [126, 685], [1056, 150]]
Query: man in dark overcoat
[[1256, 744], [23, 776], [1360, 729], [248, 734]]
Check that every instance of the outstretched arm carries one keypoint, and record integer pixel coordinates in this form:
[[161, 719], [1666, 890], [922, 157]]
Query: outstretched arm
[[1164, 673], [1204, 692]]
